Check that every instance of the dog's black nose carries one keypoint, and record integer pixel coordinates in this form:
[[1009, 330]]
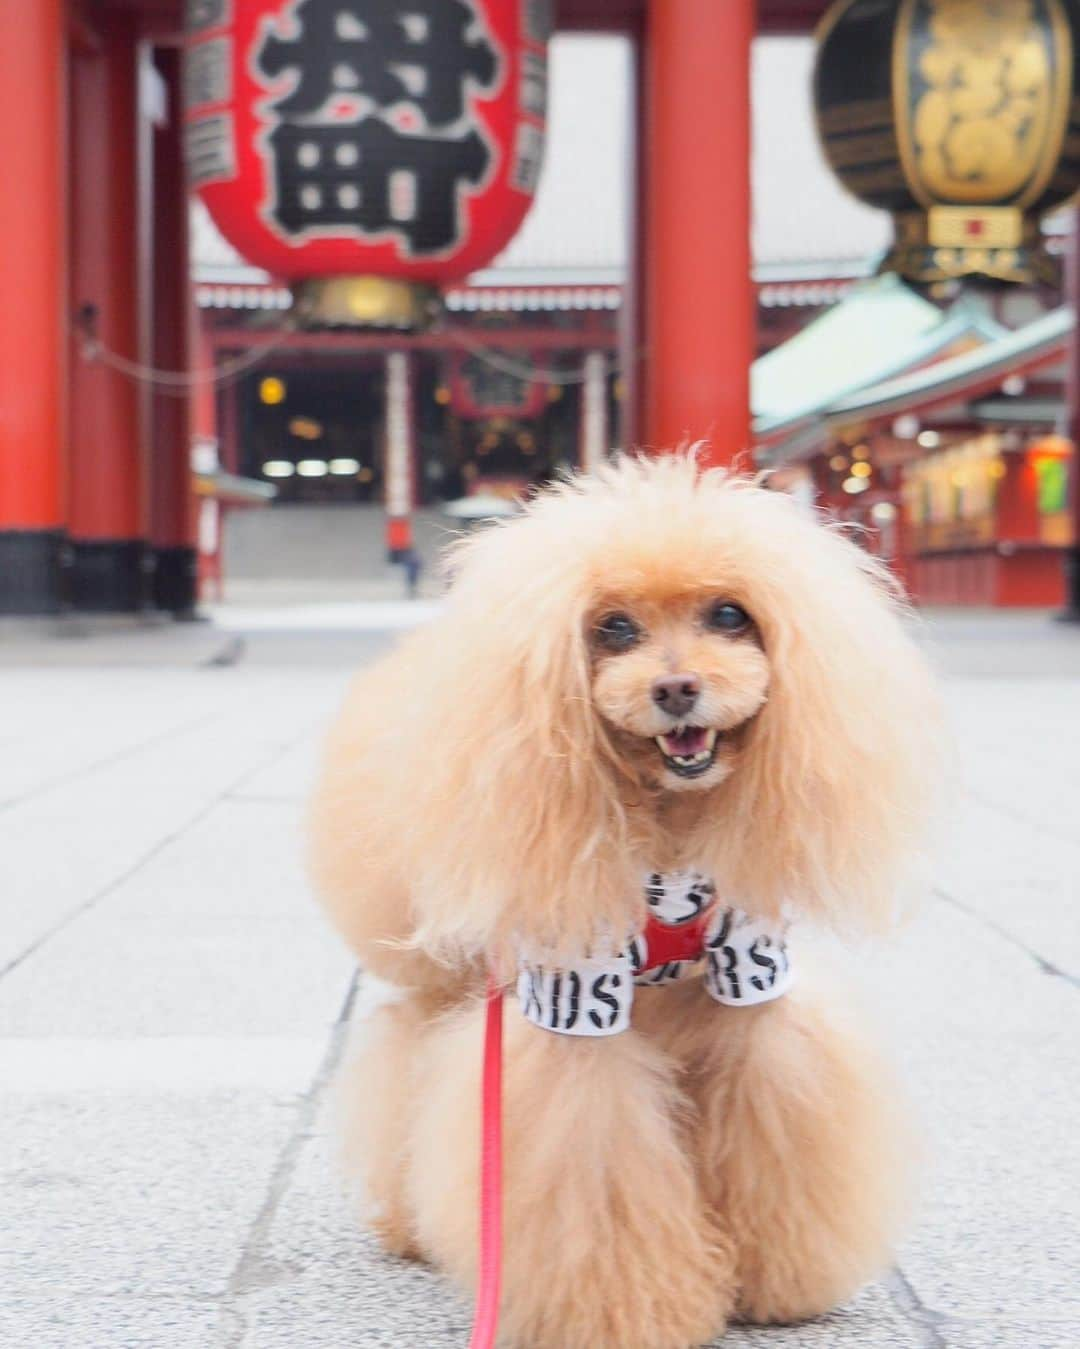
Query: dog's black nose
[[676, 694]]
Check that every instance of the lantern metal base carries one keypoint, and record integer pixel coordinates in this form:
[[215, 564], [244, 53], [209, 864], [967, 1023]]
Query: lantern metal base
[[364, 302], [998, 244]]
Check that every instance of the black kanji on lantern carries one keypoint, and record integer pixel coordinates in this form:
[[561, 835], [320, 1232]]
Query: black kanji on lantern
[[415, 51], [340, 159], [370, 175]]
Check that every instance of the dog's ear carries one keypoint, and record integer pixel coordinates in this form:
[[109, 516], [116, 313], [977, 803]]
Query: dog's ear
[[831, 802], [515, 832]]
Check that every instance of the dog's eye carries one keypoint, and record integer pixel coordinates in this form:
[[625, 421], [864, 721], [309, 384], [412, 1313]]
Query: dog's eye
[[723, 616], [617, 632]]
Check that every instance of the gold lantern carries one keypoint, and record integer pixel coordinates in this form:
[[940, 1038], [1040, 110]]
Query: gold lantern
[[960, 117]]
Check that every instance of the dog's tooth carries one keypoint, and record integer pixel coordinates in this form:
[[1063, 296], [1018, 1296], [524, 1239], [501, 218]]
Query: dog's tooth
[[710, 739]]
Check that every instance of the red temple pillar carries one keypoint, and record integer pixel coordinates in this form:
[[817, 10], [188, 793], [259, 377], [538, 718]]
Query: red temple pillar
[[172, 504], [1072, 387], [227, 419], [631, 331], [108, 480], [204, 394], [33, 303], [698, 302], [399, 465], [593, 418]]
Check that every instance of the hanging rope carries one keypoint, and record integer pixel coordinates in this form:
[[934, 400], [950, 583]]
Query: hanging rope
[[179, 383], [176, 383]]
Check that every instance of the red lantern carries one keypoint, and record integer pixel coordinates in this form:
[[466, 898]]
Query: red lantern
[[397, 139]]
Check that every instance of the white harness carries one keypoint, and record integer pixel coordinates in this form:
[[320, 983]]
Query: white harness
[[745, 958]]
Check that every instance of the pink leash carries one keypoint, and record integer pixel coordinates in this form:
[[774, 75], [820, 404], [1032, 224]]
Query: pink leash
[[486, 1323]]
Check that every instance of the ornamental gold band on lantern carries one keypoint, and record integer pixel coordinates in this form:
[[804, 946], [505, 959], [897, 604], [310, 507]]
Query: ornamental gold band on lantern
[[947, 242], [365, 301]]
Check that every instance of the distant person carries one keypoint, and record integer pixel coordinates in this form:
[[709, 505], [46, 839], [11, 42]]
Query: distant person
[[413, 564]]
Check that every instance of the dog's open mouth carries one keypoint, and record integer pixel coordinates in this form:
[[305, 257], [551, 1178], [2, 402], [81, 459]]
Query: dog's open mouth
[[689, 752]]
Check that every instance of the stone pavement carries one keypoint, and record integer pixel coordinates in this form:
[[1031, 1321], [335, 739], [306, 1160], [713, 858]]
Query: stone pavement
[[172, 1008]]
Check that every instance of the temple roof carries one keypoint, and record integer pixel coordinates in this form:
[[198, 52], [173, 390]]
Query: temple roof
[[882, 351], [880, 329]]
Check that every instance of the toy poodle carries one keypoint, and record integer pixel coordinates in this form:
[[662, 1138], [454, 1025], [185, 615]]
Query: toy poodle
[[663, 716]]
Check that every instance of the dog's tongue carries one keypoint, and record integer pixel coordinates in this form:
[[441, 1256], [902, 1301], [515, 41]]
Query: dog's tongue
[[689, 741]]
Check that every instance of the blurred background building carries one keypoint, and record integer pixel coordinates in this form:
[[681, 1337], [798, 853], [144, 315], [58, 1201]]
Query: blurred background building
[[168, 423]]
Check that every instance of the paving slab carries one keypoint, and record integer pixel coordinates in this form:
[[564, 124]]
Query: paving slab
[[145, 1196], [58, 1320], [198, 874], [119, 975], [1008, 1335], [289, 777], [71, 846], [317, 1271], [78, 641], [69, 836], [1000, 643], [989, 1042], [73, 739], [1022, 878], [872, 1318]]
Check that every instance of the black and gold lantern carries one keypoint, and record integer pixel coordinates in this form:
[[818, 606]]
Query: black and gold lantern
[[961, 118]]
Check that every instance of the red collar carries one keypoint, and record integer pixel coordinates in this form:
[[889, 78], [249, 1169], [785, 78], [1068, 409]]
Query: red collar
[[667, 944]]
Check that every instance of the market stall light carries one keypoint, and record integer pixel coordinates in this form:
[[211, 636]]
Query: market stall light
[[861, 470], [929, 440], [345, 466], [861, 452], [278, 468], [1053, 447], [838, 463], [906, 427], [883, 512], [306, 428], [312, 468], [854, 485], [1013, 385], [366, 475], [272, 390]]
